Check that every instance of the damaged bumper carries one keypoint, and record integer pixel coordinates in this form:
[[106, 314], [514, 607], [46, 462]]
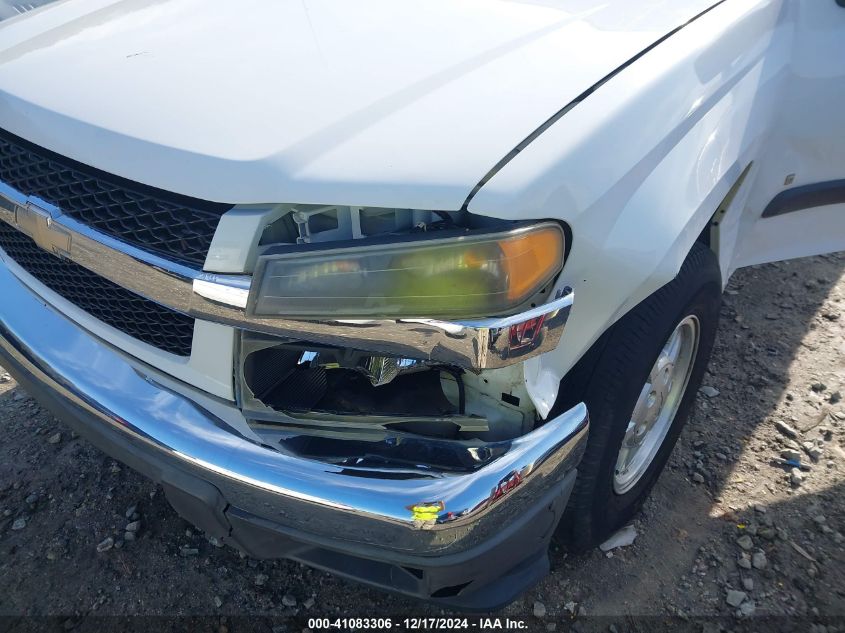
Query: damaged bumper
[[474, 539]]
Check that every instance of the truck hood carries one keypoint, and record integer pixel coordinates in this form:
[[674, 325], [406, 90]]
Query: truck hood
[[374, 102]]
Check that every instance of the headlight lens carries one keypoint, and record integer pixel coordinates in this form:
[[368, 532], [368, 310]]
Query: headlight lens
[[469, 276]]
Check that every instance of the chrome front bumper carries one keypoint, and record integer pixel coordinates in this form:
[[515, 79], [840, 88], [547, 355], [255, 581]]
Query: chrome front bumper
[[91, 384]]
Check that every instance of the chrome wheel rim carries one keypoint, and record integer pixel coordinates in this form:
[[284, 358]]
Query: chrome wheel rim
[[657, 405]]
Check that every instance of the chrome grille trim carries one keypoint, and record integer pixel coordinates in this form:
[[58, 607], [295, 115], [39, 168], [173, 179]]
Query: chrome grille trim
[[135, 316]]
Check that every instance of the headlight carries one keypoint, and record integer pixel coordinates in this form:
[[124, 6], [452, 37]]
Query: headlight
[[468, 276]]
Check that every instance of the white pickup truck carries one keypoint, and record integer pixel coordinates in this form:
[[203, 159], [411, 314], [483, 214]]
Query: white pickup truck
[[401, 289]]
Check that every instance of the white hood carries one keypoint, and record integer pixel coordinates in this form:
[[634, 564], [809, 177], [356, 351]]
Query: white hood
[[397, 103]]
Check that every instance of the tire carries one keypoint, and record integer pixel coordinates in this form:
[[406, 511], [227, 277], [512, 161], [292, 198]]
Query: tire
[[610, 380]]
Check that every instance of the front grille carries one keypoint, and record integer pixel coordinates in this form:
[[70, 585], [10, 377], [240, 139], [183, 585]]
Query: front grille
[[140, 318], [173, 226]]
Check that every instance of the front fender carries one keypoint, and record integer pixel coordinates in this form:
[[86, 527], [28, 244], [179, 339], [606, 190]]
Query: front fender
[[639, 167]]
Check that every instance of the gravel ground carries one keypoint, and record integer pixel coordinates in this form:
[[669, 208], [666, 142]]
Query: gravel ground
[[728, 532]]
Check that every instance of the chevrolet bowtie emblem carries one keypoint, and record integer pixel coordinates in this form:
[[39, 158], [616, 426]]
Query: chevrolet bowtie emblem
[[40, 225]]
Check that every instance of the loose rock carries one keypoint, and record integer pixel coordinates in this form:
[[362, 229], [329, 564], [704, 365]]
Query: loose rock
[[747, 609], [710, 392], [55, 438], [539, 610], [787, 430], [105, 545], [19, 524], [735, 598], [768, 533], [288, 600], [758, 560], [745, 542]]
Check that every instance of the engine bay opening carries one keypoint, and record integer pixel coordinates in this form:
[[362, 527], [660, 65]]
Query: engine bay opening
[[307, 224], [352, 396], [295, 380]]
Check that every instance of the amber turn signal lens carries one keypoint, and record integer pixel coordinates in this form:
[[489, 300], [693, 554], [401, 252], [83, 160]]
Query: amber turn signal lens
[[528, 259]]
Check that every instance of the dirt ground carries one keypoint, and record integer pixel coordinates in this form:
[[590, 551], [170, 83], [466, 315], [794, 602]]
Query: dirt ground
[[726, 522]]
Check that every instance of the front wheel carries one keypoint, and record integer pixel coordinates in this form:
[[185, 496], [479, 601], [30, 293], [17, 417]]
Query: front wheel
[[639, 389]]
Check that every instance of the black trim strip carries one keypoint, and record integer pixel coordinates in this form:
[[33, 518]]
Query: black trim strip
[[819, 194], [560, 113]]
